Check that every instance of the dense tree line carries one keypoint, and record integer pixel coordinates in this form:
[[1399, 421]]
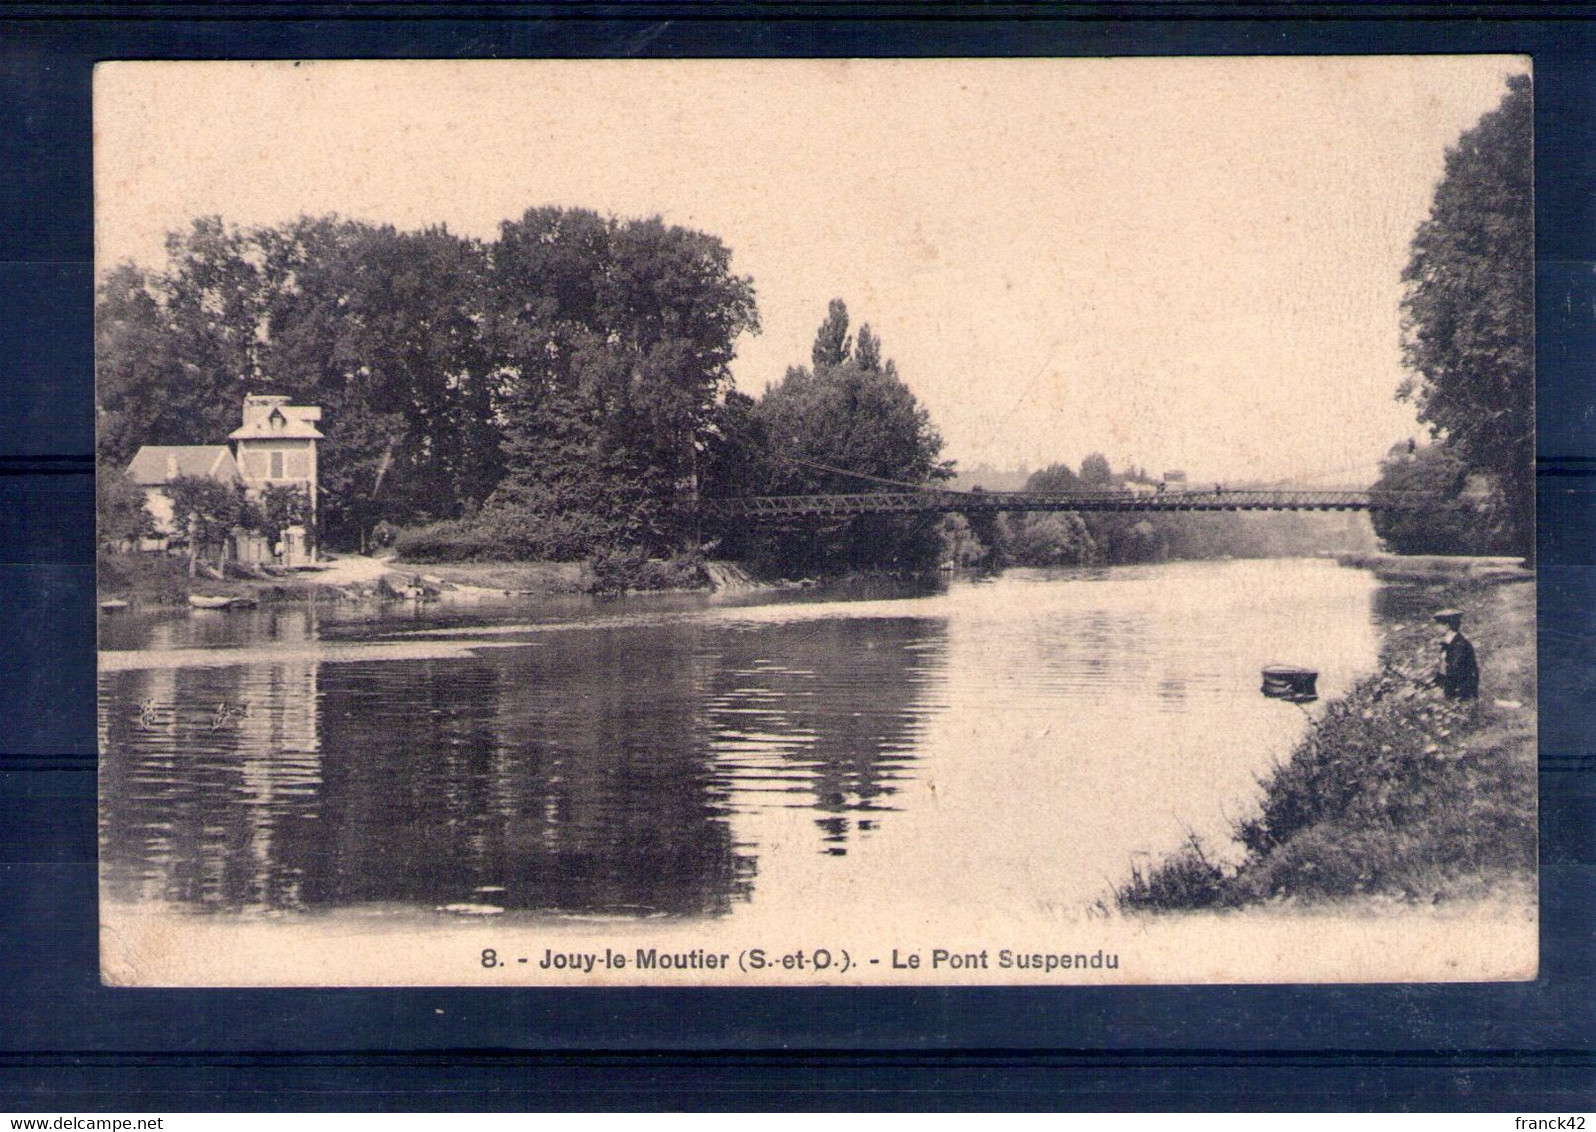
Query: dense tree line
[[562, 391], [1468, 338], [1106, 538], [553, 387]]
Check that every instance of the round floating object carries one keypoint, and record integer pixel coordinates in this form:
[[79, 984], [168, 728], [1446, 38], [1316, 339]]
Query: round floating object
[[1288, 682]]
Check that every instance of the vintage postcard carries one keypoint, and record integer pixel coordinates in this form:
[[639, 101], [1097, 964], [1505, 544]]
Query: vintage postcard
[[762, 523]]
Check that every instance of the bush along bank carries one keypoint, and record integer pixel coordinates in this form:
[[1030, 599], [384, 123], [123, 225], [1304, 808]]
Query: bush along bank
[[1395, 792]]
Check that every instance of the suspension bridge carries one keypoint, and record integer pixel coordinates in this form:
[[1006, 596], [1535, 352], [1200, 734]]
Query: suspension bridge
[[937, 501]]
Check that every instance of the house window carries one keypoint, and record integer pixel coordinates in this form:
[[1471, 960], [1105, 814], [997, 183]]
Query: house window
[[277, 466]]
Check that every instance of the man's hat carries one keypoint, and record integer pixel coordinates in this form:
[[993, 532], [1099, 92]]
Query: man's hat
[[1450, 617]]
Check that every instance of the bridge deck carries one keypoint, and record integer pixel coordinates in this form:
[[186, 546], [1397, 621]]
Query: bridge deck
[[986, 502]]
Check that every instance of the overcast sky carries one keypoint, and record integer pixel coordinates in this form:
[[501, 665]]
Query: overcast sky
[[1186, 263]]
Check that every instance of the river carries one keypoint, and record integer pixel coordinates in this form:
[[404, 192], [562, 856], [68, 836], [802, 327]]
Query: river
[[997, 747]]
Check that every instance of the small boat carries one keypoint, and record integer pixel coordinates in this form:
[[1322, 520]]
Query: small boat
[[111, 605], [1290, 683], [205, 601]]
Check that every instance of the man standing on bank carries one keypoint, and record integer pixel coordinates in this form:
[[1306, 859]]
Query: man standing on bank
[[1459, 677]]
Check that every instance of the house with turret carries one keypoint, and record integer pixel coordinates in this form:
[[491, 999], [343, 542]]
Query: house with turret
[[275, 446]]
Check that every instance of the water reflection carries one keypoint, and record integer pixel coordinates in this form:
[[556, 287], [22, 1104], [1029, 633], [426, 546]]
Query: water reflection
[[827, 709], [208, 779], [996, 746], [594, 771]]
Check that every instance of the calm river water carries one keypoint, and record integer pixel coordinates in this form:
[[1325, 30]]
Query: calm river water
[[1006, 746]]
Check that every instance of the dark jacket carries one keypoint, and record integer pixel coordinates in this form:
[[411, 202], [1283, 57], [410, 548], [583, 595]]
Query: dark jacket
[[1460, 672]]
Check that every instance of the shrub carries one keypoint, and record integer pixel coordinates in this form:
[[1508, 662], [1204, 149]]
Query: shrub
[[1051, 539], [504, 534], [384, 534], [1457, 525], [453, 540], [1184, 880], [618, 570], [156, 579]]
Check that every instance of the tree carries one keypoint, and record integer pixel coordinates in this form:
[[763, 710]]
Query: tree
[[614, 341], [986, 529], [176, 351], [1053, 479], [136, 372], [1056, 538], [1457, 527], [120, 514], [1049, 538], [736, 456], [831, 346], [845, 428], [384, 330], [1468, 327], [736, 461], [1074, 537], [867, 350], [206, 510], [1095, 471], [282, 505]]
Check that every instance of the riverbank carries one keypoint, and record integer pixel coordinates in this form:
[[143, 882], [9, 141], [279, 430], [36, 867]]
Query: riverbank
[[1439, 567], [1396, 792], [159, 580]]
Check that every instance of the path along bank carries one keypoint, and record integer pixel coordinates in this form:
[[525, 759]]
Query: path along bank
[[1395, 792]]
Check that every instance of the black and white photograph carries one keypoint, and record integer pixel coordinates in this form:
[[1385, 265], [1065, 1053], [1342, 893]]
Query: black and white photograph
[[816, 522]]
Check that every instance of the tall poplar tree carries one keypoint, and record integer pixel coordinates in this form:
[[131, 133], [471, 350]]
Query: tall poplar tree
[[849, 425]]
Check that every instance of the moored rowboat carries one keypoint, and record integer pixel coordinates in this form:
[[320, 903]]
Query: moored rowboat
[[206, 601]]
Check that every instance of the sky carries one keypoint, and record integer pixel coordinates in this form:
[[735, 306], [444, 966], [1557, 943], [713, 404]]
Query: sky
[[1183, 263]]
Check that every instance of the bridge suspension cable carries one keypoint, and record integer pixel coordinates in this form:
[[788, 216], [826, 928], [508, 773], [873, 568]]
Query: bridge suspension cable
[[860, 475]]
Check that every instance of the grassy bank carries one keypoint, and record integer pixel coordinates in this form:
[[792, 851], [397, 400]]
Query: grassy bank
[[1438, 567], [516, 578], [1395, 792], [602, 574], [147, 580]]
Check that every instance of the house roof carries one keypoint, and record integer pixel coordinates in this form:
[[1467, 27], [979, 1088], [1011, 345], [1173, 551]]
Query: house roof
[[297, 423], [157, 464]]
